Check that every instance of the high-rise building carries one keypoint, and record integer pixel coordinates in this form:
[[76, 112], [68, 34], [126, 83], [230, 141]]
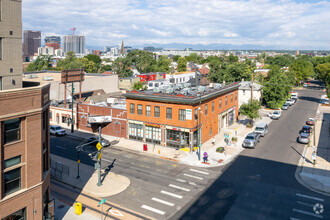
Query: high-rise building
[[74, 43], [24, 132], [53, 41], [10, 45], [32, 41]]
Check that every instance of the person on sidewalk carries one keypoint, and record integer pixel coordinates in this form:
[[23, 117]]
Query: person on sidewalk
[[213, 141], [205, 157], [314, 157]]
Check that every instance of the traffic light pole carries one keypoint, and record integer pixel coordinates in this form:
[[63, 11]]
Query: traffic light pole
[[72, 123], [99, 160]]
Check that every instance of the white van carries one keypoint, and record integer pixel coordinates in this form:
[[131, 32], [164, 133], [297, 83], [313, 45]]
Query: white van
[[262, 128]]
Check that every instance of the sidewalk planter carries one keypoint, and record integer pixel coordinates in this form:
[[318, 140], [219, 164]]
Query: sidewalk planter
[[234, 139], [249, 125], [220, 149]]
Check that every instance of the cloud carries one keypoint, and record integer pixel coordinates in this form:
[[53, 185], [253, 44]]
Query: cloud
[[265, 22]]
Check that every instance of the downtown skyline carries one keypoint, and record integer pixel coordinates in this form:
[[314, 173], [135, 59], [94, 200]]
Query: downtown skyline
[[285, 24]]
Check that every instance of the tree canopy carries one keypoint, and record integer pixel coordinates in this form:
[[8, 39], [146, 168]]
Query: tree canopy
[[251, 110]]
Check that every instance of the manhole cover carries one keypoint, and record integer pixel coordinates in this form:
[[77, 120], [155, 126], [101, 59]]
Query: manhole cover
[[60, 206]]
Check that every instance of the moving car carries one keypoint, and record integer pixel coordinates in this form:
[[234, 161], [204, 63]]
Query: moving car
[[310, 121], [275, 114], [261, 128], [94, 140], [303, 138], [306, 129], [57, 130], [290, 101], [285, 106], [251, 140]]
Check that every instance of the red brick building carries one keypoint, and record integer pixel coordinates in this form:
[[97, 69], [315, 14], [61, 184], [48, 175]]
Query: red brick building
[[118, 113], [174, 118], [56, 46]]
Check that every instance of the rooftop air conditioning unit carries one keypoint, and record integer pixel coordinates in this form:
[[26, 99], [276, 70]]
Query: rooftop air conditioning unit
[[169, 90], [201, 88], [156, 90], [32, 76], [178, 86], [187, 85], [217, 86]]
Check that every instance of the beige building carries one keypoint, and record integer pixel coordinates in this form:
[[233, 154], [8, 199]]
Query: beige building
[[10, 44], [24, 128]]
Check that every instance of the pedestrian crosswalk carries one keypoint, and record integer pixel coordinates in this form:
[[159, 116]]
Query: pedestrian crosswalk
[[172, 194], [307, 207]]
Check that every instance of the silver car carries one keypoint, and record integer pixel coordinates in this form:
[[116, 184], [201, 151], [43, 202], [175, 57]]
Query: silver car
[[57, 130], [251, 140], [285, 106], [303, 138]]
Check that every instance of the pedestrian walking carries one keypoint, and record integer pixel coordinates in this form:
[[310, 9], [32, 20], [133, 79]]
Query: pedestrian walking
[[314, 157], [213, 141], [205, 157]]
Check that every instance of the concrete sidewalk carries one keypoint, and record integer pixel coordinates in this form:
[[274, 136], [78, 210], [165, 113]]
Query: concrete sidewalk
[[190, 158], [317, 177]]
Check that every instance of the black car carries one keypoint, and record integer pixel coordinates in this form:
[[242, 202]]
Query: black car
[[94, 140], [306, 129]]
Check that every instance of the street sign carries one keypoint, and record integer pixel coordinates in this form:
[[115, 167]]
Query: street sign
[[100, 156], [102, 201], [98, 146], [78, 161], [96, 166]]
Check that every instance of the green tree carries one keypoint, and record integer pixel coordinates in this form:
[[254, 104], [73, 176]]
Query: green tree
[[95, 58], [182, 64], [194, 57], [143, 61], [105, 68], [41, 63], [251, 110], [139, 86], [176, 58], [163, 64], [280, 60], [302, 69], [323, 71], [122, 67], [232, 58]]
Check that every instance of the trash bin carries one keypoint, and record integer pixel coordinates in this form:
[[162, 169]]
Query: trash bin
[[78, 208], [145, 147]]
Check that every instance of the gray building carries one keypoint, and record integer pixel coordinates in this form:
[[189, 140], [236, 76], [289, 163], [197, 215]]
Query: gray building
[[74, 43], [53, 39], [32, 41], [10, 45]]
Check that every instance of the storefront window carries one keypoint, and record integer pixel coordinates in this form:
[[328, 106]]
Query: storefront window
[[226, 100], [135, 131], [212, 106], [219, 103], [153, 135], [178, 139], [206, 109], [231, 117], [231, 98], [196, 114]]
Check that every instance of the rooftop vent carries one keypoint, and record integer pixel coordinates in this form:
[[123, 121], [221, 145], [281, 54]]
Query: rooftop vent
[[47, 78], [217, 86], [32, 76]]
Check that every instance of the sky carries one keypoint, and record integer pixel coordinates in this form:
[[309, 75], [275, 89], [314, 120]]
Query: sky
[[291, 24]]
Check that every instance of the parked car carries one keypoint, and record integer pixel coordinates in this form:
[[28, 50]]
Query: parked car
[[294, 99], [294, 95], [304, 138], [251, 140], [310, 121], [275, 114], [306, 129], [285, 106], [290, 101], [305, 85], [94, 140], [261, 128], [57, 130]]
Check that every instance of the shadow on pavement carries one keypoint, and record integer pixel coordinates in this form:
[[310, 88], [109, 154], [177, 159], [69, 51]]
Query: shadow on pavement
[[264, 189]]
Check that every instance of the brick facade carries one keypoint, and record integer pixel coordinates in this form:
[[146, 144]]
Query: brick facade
[[31, 106]]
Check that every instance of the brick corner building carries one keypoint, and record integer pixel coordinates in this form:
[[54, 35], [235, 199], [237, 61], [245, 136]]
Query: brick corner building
[[24, 128]]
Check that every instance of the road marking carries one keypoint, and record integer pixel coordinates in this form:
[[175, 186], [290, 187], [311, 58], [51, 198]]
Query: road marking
[[191, 183], [179, 187], [196, 177], [60, 147], [294, 218], [116, 212], [162, 201], [305, 204], [309, 197], [180, 180], [171, 194], [307, 213], [153, 209], [197, 171]]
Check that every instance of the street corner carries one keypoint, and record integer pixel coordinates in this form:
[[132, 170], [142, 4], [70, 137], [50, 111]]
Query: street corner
[[112, 184]]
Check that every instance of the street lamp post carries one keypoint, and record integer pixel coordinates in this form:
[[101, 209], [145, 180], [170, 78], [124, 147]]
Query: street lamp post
[[99, 183]]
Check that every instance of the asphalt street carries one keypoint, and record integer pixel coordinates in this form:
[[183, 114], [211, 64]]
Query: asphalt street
[[260, 183], [159, 188]]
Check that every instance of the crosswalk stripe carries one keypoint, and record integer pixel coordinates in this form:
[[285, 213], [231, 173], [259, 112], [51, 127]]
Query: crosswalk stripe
[[196, 177], [198, 171], [305, 204], [153, 209], [180, 180], [307, 213], [191, 183], [171, 194], [162, 201], [310, 197], [179, 187]]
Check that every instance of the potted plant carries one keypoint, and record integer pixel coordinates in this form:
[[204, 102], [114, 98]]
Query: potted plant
[[220, 149], [234, 139]]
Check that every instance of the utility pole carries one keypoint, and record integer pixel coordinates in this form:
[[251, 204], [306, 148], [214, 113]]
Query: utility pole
[[99, 158], [252, 88], [72, 123]]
